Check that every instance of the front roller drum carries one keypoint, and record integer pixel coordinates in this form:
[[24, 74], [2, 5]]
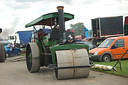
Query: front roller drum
[[32, 57], [72, 64]]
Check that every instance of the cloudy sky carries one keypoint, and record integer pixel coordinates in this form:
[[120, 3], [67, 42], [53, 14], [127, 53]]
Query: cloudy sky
[[14, 14]]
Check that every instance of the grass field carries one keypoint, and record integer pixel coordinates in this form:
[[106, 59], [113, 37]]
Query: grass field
[[124, 65]]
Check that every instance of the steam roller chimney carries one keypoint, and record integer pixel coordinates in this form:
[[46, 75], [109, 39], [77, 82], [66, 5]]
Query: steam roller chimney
[[61, 21]]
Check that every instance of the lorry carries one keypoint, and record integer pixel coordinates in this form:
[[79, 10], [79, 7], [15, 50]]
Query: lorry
[[2, 51], [112, 48], [58, 48], [21, 38], [25, 37], [104, 27], [13, 38]]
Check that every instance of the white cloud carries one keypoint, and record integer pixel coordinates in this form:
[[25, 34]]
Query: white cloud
[[16, 13]]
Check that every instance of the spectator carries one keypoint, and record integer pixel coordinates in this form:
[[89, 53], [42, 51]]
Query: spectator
[[11, 49]]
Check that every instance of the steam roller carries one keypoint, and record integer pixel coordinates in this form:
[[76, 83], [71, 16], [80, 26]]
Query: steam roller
[[56, 47]]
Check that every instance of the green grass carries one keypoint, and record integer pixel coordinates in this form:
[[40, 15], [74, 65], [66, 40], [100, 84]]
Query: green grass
[[124, 66], [23, 54]]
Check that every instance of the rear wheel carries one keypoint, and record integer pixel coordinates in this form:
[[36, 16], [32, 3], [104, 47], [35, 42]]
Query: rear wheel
[[32, 57], [2, 53], [106, 58]]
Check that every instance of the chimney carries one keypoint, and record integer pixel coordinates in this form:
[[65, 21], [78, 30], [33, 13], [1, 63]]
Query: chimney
[[61, 21]]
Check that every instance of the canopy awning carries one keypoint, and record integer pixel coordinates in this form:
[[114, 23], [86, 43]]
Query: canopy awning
[[47, 19]]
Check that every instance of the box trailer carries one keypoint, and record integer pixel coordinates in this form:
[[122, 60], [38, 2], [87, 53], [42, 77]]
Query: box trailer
[[25, 37], [104, 27], [107, 26]]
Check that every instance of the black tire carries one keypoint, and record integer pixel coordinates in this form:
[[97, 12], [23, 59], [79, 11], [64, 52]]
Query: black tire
[[2, 52], [32, 57], [106, 58]]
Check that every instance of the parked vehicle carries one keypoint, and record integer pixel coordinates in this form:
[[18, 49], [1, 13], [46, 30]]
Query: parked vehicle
[[89, 43], [105, 27], [78, 38], [25, 37], [21, 38], [86, 33], [9, 51], [13, 38], [110, 49]]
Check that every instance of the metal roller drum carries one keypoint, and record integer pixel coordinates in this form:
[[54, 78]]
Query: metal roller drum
[[72, 64]]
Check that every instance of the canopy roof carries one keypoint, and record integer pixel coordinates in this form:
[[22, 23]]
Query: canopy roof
[[48, 19]]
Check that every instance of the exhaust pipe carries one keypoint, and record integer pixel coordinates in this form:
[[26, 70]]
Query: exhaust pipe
[[61, 21]]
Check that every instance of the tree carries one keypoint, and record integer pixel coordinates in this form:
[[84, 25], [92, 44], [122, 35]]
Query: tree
[[77, 27]]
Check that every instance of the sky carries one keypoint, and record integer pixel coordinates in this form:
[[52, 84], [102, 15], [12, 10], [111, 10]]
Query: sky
[[15, 14]]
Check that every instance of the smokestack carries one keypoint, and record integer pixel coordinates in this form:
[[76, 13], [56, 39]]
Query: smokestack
[[61, 21]]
